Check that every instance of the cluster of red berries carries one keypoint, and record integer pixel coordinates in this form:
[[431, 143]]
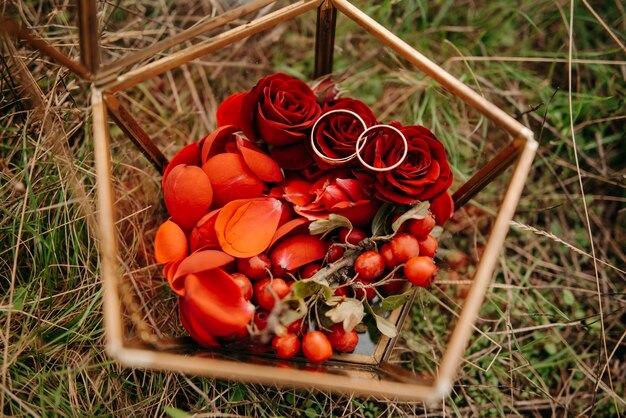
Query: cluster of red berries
[[414, 247]]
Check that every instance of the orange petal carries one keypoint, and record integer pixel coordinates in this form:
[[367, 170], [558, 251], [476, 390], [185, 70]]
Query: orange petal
[[214, 302], [297, 251], [203, 234], [197, 263], [170, 243], [189, 155], [298, 192], [215, 142], [168, 271], [188, 194], [293, 226], [260, 163], [231, 179], [245, 227]]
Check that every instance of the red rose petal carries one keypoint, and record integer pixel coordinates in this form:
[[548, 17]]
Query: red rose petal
[[229, 111], [231, 179], [297, 251]]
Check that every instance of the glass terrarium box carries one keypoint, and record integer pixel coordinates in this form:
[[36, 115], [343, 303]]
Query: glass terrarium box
[[278, 78]]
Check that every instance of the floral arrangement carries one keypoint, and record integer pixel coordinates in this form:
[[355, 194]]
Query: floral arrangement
[[300, 219]]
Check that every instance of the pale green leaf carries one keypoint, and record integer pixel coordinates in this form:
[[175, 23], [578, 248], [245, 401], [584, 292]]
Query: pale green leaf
[[324, 226], [385, 327], [418, 211], [392, 302]]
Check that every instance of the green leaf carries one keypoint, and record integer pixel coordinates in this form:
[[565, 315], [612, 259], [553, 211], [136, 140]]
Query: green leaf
[[324, 226], [418, 211], [19, 298], [380, 223], [385, 327], [303, 289], [392, 302], [175, 412], [311, 413], [568, 297]]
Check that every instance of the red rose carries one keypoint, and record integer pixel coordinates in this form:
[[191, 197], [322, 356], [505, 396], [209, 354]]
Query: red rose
[[337, 133], [335, 192], [424, 173], [279, 110]]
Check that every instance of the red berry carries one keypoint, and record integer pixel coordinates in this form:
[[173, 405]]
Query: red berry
[[369, 265], [359, 291], [342, 291], [244, 283], [263, 292], [287, 345], [428, 246], [390, 260], [254, 267], [335, 252], [420, 270], [421, 227], [316, 347], [404, 247], [353, 236], [394, 287], [309, 270], [260, 319], [297, 327], [341, 340]]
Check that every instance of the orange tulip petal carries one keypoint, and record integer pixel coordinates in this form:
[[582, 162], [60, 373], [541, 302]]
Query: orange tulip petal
[[245, 227], [260, 163], [231, 179], [188, 194], [297, 251], [197, 263], [170, 243], [293, 226]]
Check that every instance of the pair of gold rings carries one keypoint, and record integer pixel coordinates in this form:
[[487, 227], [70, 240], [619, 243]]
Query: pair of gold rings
[[360, 143]]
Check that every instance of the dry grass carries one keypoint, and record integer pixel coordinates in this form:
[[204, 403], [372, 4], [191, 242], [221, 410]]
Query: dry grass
[[551, 338]]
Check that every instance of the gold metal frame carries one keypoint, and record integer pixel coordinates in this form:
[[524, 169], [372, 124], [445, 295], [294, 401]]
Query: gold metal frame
[[379, 378]]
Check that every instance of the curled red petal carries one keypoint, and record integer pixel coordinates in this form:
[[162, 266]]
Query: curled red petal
[[260, 163], [229, 111], [188, 155], [215, 304], [203, 234], [195, 329], [442, 208], [215, 142], [245, 227], [297, 191], [293, 226], [188, 195], [297, 251]]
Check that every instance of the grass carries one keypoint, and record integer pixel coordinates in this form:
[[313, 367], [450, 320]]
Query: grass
[[540, 349]]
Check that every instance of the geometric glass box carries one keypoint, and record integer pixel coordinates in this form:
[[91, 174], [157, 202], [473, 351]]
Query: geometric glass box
[[372, 370]]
